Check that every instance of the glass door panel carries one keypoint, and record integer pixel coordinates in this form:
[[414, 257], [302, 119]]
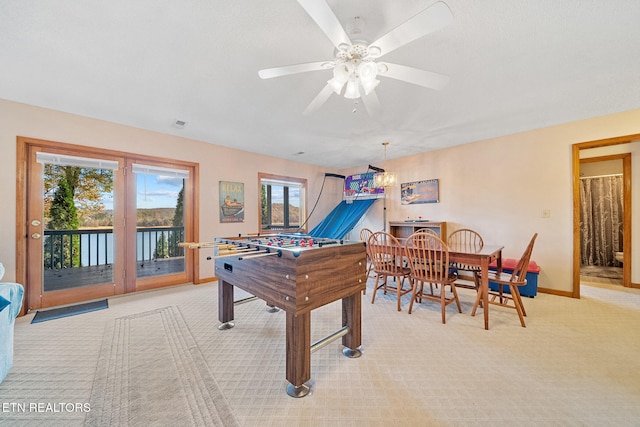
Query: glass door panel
[[97, 226], [159, 222], [78, 233]]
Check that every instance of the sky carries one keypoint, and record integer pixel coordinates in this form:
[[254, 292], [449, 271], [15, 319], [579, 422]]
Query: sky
[[277, 195], [157, 191], [152, 191]]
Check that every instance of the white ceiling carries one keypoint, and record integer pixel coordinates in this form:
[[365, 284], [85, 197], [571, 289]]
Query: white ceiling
[[514, 65]]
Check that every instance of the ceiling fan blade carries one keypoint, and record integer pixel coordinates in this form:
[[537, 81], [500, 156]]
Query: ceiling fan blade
[[322, 14], [269, 73], [429, 20], [427, 79], [319, 100], [371, 103]]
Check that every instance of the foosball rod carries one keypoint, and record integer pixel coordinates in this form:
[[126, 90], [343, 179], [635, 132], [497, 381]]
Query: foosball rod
[[232, 250], [259, 255], [194, 245], [235, 254]]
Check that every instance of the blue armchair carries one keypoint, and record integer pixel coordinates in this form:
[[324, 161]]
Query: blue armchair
[[10, 304]]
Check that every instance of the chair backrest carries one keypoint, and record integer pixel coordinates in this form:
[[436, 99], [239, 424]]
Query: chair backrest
[[519, 274], [365, 233], [386, 254], [467, 239], [427, 230], [428, 257]]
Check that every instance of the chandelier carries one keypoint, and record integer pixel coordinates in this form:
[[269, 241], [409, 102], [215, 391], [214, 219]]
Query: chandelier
[[384, 179], [355, 67]]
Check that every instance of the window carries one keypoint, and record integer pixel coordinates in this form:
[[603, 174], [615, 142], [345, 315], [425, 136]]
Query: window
[[282, 203]]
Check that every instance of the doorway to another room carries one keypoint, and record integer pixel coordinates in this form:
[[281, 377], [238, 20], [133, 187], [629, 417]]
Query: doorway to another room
[[602, 212], [602, 220]]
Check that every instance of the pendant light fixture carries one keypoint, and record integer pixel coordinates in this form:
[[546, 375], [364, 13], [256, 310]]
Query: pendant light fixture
[[384, 179]]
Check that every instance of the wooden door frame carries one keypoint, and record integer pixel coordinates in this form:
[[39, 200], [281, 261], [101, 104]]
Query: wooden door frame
[[24, 151], [35, 210], [627, 202]]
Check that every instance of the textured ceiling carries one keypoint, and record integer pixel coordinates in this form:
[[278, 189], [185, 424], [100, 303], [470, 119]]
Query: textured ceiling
[[515, 65]]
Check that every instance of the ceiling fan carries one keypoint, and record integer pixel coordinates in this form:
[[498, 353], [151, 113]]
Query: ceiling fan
[[356, 63]]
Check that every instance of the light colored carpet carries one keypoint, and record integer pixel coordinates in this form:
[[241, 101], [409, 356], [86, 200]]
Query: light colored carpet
[[151, 372], [575, 364]]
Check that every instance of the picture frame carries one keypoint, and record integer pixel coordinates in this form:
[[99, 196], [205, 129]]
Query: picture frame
[[231, 201], [427, 191]]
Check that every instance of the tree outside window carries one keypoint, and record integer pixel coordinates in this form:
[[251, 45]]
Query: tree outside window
[[282, 203]]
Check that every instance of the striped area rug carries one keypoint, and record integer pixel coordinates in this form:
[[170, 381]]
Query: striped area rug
[[151, 372]]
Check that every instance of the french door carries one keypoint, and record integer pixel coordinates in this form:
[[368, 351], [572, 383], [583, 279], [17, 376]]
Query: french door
[[99, 223]]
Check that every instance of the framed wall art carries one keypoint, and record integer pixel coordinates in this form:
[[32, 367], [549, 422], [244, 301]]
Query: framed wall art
[[427, 191], [231, 202]]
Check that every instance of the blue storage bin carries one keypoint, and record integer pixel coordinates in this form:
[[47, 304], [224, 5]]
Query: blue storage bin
[[508, 265]]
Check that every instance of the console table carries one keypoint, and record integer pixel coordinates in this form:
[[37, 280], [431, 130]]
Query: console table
[[404, 229]]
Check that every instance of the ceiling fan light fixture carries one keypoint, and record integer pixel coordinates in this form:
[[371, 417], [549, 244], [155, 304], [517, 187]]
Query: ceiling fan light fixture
[[355, 60], [341, 74], [368, 71], [343, 47], [342, 71], [336, 85], [374, 51], [369, 86], [352, 91]]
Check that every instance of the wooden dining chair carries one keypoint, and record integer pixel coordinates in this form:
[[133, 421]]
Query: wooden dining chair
[[387, 257], [509, 282], [470, 241], [428, 258], [365, 233], [427, 230]]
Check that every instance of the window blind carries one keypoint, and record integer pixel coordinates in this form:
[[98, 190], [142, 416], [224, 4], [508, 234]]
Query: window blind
[[81, 162], [157, 170]]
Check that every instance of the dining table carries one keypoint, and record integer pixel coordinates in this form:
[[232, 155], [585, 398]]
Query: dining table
[[481, 258], [463, 254]]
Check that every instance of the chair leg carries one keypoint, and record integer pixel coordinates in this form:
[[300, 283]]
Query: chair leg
[[414, 293], [476, 280], [384, 283], [369, 267], [401, 291], [375, 289], [524, 313], [455, 296], [443, 305], [478, 299], [515, 293]]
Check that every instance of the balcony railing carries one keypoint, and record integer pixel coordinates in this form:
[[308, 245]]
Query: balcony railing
[[93, 247]]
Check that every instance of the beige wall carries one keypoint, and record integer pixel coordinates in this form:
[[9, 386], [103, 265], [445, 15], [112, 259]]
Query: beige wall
[[216, 164], [500, 186]]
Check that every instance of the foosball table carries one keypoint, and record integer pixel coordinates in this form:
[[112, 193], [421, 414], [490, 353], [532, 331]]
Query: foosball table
[[296, 274]]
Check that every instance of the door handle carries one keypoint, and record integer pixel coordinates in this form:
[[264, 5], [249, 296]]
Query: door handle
[[35, 236]]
